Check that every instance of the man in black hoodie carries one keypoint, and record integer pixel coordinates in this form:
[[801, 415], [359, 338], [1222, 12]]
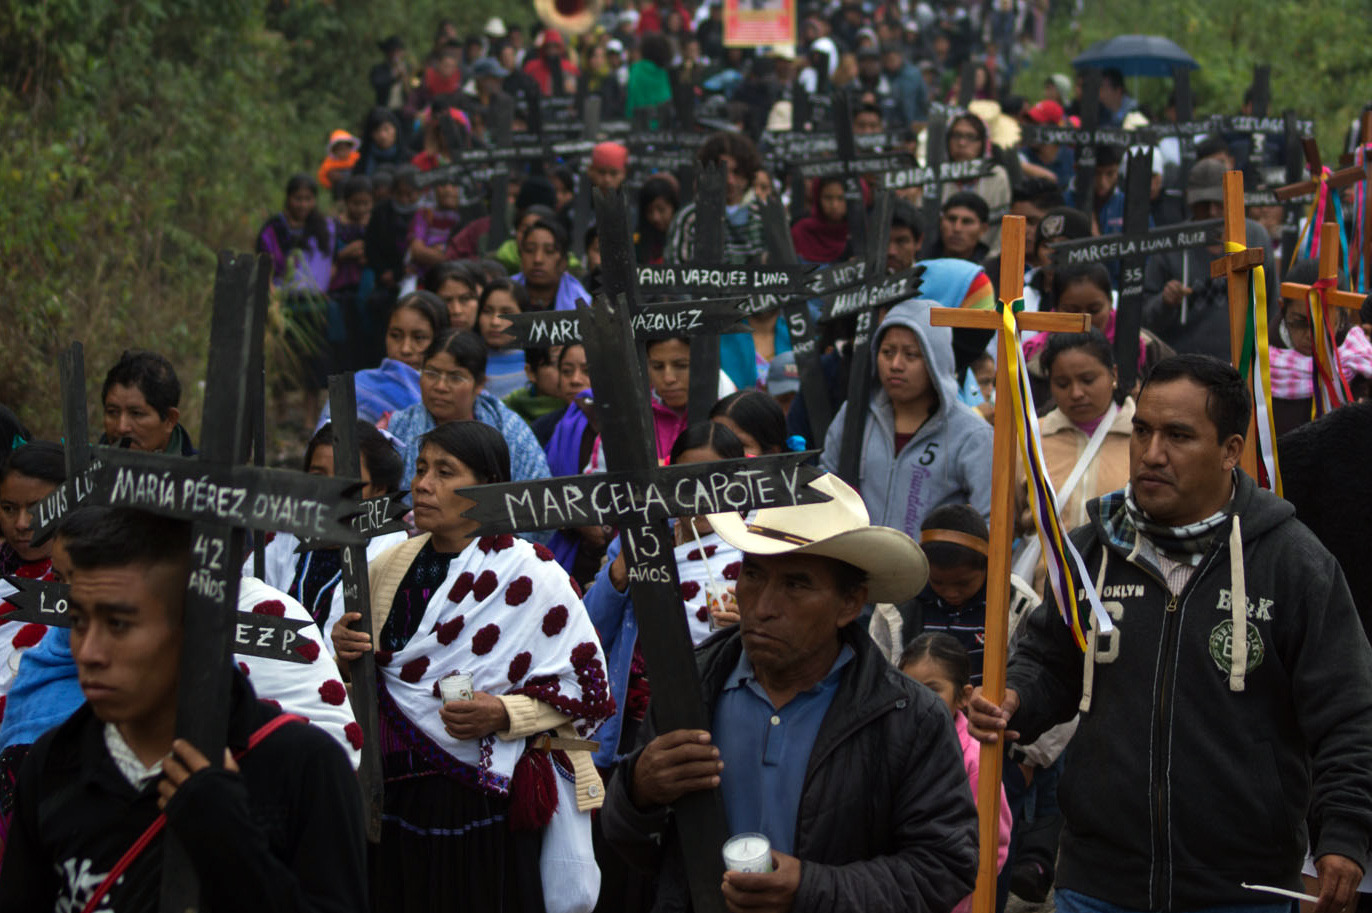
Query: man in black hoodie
[[1230, 705], [279, 829]]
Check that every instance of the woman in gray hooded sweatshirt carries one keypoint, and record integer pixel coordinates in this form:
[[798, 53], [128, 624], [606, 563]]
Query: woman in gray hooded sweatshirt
[[922, 448]]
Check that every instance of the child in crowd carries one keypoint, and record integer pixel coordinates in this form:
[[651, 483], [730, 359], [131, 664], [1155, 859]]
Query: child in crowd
[[658, 202], [434, 225], [352, 279], [540, 394], [339, 158], [956, 542], [942, 665], [504, 364], [573, 379]]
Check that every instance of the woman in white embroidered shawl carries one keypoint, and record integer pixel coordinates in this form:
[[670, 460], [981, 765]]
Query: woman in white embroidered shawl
[[503, 611]]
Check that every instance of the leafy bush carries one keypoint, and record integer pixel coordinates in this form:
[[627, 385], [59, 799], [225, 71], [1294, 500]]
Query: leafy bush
[[137, 137]]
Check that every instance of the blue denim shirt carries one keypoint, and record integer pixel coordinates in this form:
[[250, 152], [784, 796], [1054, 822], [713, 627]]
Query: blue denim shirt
[[766, 751]]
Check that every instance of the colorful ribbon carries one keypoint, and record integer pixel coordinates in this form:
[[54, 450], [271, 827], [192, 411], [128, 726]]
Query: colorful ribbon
[[1331, 390], [1255, 363], [1066, 570], [1359, 282]]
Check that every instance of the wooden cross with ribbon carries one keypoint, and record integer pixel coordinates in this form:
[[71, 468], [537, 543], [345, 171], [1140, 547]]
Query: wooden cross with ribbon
[[1237, 266], [1014, 411], [1322, 184], [1331, 389]]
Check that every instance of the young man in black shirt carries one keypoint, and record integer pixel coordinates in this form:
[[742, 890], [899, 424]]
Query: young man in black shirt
[[279, 828]]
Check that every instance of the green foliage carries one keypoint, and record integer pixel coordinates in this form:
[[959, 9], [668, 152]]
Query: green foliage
[[1319, 54], [137, 137]]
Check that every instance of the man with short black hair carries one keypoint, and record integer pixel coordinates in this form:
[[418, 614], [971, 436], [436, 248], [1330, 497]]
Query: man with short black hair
[[141, 397], [963, 222], [907, 234], [279, 828], [852, 772], [1229, 706], [1115, 103]]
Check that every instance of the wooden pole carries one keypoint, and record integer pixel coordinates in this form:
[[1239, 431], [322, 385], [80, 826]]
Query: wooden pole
[[1004, 451], [1232, 267]]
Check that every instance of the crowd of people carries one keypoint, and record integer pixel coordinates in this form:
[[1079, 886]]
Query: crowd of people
[[1218, 735]]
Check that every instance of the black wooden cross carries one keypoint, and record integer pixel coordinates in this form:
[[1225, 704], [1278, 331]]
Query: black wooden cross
[[703, 383], [878, 291], [1085, 138], [222, 500], [581, 208], [1132, 248], [638, 497], [801, 327], [347, 464], [849, 164]]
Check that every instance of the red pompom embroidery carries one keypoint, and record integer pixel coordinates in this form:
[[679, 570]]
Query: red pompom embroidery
[[448, 630], [499, 543], [29, 635], [383, 657], [333, 692], [414, 670], [703, 613], [694, 554], [520, 590], [690, 590], [731, 571], [519, 666], [543, 552], [461, 587], [576, 587], [555, 620], [243, 667], [485, 585], [583, 653], [309, 649], [353, 733], [270, 607], [485, 640]]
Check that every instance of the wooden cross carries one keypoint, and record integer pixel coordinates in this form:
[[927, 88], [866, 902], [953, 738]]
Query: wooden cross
[[849, 165], [222, 500], [878, 291], [1344, 177], [1329, 269], [1234, 267], [800, 326], [703, 382], [638, 497], [1004, 454], [1360, 261], [1132, 248], [347, 464], [581, 208]]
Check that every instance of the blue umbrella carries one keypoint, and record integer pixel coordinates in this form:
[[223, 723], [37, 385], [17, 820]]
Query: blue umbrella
[[1136, 55]]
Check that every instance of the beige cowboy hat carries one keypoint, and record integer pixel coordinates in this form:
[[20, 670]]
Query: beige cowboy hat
[[838, 528]]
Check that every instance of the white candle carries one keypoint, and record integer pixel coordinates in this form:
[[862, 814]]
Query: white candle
[[748, 853], [455, 687]]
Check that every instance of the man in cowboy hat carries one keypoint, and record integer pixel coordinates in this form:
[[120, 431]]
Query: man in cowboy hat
[[851, 770]]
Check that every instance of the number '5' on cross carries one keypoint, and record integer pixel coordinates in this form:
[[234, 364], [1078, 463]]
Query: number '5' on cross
[[1002, 526]]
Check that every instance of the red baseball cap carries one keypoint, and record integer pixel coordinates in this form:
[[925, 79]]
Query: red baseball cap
[[1046, 112]]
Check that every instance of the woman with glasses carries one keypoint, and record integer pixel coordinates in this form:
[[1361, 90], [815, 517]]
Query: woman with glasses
[[452, 389], [968, 140]]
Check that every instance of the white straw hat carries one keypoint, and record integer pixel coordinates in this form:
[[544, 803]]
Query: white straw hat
[[838, 528]]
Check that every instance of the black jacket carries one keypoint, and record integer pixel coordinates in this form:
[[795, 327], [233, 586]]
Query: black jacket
[[886, 819], [283, 835], [1176, 789]]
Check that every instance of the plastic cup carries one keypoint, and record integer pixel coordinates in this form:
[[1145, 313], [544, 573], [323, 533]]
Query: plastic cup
[[748, 853], [455, 687]]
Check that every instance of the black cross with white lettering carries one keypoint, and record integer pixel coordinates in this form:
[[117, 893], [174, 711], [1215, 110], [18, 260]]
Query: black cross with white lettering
[[936, 171], [222, 499], [878, 291], [1132, 247], [638, 497]]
